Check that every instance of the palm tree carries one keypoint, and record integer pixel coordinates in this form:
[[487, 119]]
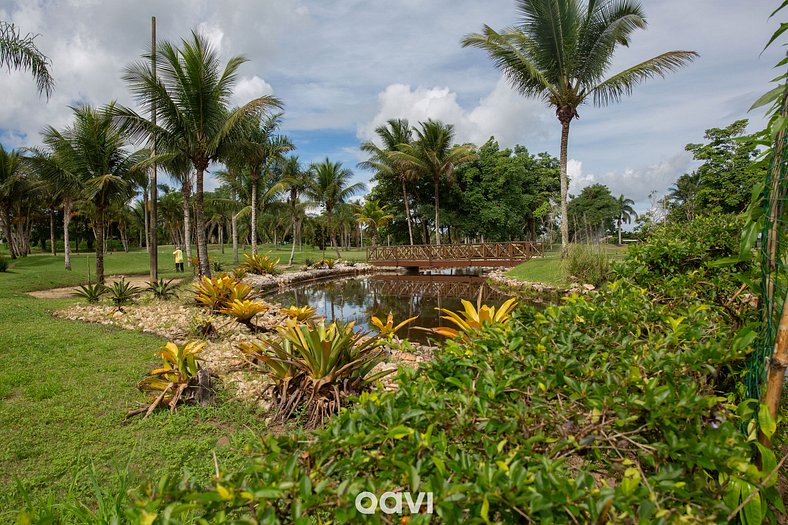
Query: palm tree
[[258, 149], [190, 95], [433, 155], [626, 213], [396, 134], [296, 182], [375, 216], [20, 52], [94, 150], [560, 52], [331, 186], [11, 174]]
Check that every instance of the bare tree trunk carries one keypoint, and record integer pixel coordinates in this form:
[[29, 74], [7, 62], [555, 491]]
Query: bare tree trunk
[[255, 176], [145, 214], [98, 230], [407, 210], [199, 209], [234, 233], [8, 235], [292, 249], [66, 223], [437, 211], [52, 230], [564, 187], [331, 232], [619, 232], [221, 236], [777, 364], [186, 192]]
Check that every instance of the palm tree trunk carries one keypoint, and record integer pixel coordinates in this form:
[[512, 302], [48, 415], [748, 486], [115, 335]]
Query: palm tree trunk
[[331, 231], [407, 210], [66, 222], [186, 190], [52, 230], [234, 233], [619, 231], [293, 214], [98, 230], [254, 213], [221, 236], [437, 211], [564, 189], [8, 236], [145, 214], [199, 211]]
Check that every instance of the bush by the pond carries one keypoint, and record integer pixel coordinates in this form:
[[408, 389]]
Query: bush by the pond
[[611, 407], [587, 264]]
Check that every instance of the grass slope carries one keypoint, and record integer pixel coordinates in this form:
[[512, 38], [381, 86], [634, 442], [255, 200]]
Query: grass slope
[[550, 270], [65, 387]]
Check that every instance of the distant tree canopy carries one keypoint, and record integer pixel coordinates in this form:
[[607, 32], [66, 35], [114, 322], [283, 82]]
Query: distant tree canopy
[[724, 180], [503, 194], [593, 213]]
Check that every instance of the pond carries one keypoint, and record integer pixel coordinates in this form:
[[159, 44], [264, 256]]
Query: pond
[[359, 298]]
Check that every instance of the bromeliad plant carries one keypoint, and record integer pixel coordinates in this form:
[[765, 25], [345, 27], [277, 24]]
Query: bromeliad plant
[[388, 329], [244, 311], [92, 293], [316, 367], [261, 264], [219, 292], [122, 292], [303, 314], [180, 379], [162, 289], [473, 318]]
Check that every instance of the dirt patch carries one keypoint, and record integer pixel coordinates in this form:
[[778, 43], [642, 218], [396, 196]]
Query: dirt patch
[[68, 292]]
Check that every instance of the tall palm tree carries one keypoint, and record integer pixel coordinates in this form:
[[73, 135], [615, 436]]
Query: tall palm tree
[[434, 155], [191, 96], [330, 187], [396, 134], [296, 182], [625, 214], [95, 151], [11, 174], [21, 52], [259, 147], [374, 216], [560, 52]]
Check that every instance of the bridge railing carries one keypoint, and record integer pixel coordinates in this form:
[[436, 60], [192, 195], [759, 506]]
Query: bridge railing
[[495, 251]]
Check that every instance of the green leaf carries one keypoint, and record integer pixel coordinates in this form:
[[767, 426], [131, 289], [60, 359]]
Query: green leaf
[[769, 97], [766, 422], [399, 432], [485, 512]]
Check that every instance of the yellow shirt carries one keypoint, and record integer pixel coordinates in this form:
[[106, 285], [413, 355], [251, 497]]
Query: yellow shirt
[[178, 256]]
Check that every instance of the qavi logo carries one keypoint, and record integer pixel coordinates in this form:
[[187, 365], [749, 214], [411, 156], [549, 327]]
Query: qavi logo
[[391, 502]]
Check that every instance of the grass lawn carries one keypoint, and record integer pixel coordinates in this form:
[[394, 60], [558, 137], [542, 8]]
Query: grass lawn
[[65, 387], [550, 270]]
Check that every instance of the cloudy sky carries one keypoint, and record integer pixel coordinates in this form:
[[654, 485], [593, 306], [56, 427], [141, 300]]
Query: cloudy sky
[[345, 66]]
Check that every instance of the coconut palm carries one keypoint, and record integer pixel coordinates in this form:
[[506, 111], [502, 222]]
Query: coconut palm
[[433, 154], [20, 52], [561, 51], [94, 157], [296, 182], [11, 187], [626, 213], [396, 134], [374, 216], [259, 147], [330, 187], [191, 96]]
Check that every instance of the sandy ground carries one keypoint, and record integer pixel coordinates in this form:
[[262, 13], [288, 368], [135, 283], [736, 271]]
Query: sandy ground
[[65, 293]]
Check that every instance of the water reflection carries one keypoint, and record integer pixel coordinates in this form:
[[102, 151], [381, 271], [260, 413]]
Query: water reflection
[[359, 298]]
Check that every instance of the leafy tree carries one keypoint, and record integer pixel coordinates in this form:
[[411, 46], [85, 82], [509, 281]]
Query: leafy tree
[[593, 211], [626, 213], [330, 187], [296, 181], [683, 197], [21, 52], [395, 135], [723, 183], [191, 96], [561, 51], [433, 155]]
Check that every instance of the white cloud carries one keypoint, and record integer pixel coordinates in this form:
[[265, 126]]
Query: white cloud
[[502, 113], [249, 89]]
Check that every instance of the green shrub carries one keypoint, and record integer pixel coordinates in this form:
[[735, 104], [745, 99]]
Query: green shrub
[[587, 264], [261, 264], [92, 293], [611, 408], [3, 264], [162, 289], [122, 292]]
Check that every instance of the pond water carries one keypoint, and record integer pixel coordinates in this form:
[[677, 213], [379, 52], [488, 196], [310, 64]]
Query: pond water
[[359, 298]]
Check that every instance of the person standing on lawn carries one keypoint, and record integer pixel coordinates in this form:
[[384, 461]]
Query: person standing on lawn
[[178, 259]]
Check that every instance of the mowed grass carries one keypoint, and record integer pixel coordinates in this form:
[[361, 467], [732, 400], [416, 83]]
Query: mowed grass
[[65, 387], [550, 269]]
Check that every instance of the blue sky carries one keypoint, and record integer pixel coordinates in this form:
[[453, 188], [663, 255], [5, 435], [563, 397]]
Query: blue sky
[[344, 67]]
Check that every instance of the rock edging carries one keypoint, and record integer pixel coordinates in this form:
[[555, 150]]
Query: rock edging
[[269, 282], [499, 278]]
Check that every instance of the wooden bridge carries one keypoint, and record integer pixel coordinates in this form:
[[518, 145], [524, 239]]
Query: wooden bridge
[[454, 255]]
